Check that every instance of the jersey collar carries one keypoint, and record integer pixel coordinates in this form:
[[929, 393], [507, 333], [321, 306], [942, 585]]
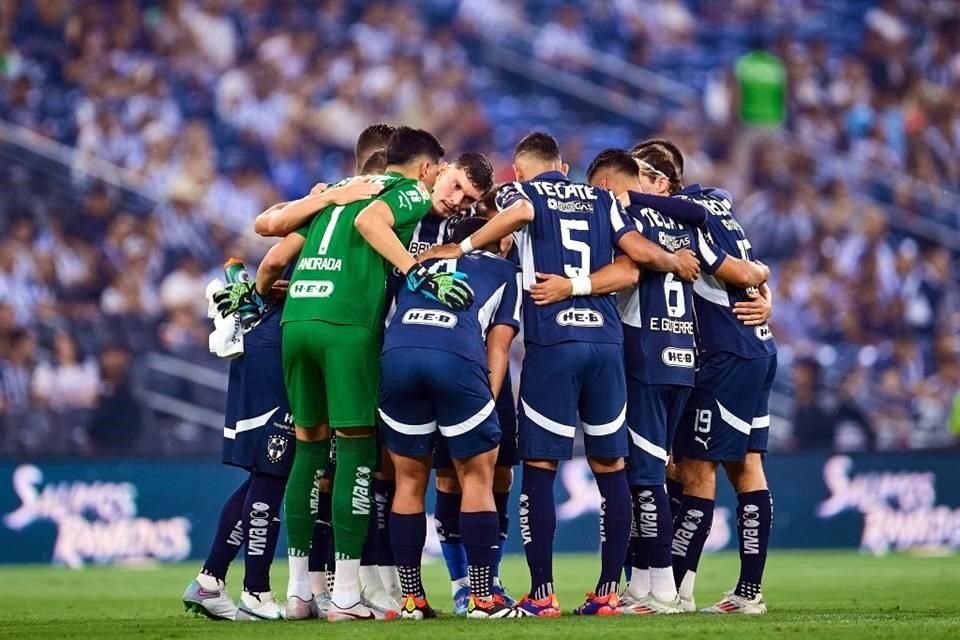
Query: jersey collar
[[554, 176], [395, 174], [693, 188]]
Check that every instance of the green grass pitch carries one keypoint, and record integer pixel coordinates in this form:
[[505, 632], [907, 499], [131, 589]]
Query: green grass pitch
[[818, 595]]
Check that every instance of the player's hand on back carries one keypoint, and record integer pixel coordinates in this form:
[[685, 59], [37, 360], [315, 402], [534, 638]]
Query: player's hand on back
[[239, 297], [550, 288], [449, 289], [320, 187], [278, 291], [355, 190], [753, 312], [689, 266]]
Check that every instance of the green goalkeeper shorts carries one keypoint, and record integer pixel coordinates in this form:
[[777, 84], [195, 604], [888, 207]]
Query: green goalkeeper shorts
[[332, 372]]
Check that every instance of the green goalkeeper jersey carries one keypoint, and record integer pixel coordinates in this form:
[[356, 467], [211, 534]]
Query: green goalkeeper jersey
[[339, 278]]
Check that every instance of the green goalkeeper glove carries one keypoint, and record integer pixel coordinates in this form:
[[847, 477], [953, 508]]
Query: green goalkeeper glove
[[242, 298], [449, 289]]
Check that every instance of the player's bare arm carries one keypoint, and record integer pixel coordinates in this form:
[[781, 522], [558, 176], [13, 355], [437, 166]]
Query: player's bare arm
[[514, 217], [621, 274], [758, 309], [277, 258], [498, 355], [283, 220], [649, 254], [742, 273]]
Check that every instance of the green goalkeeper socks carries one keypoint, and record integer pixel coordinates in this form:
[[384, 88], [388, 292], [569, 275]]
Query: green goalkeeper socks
[[353, 494], [300, 499]]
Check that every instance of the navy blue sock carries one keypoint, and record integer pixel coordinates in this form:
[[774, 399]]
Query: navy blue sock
[[615, 518], [261, 513], [481, 537], [447, 520], [633, 550], [675, 491], [408, 535], [503, 517], [383, 491], [651, 507], [538, 525], [754, 520], [690, 533], [229, 537], [322, 543]]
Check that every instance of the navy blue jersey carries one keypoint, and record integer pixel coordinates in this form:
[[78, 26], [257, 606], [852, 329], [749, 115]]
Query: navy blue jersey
[[719, 330], [658, 320], [574, 232], [416, 321]]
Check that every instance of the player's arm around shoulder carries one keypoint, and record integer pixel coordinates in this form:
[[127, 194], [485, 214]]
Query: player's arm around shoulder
[[284, 218]]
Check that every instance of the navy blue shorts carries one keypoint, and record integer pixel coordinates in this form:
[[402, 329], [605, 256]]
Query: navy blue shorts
[[563, 382], [728, 413], [653, 413], [423, 391], [258, 434], [507, 456]]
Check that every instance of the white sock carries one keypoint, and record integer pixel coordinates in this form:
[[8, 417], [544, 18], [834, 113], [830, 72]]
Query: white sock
[[390, 579], [370, 579], [662, 585], [318, 582], [346, 586], [455, 585], [299, 582], [686, 585], [639, 582], [210, 583]]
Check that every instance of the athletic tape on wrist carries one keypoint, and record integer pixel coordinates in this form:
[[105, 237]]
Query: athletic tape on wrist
[[466, 246], [581, 285]]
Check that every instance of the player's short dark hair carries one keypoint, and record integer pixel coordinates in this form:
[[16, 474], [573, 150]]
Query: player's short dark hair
[[466, 228], [478, 169], [656, 161], [373, 138], [665, 145], [407, 144], [540, 144], [376, 163], [612, 159]]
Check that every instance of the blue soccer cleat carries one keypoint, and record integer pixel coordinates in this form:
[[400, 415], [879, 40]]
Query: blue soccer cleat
[[461, 600]]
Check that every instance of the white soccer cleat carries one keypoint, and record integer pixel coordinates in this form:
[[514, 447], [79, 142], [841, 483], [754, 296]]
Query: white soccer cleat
[[357, 611], [322, 604], [627, 599], [216, 604], [259, 606], [649, 605], [379, 602], [300, 609], [687, 605], [732, 603]]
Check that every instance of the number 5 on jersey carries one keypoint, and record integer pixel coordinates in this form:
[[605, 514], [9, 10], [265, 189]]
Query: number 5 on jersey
[[567, 227]]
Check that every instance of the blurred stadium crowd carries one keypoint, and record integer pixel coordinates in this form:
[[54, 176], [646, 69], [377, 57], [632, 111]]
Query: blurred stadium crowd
[[218, 108]]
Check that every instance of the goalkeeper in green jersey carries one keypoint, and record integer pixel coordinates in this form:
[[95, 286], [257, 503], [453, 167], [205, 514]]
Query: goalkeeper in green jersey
[[332, 326]]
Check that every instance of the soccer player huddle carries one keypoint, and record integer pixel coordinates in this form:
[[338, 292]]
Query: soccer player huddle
[[386, 316]]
